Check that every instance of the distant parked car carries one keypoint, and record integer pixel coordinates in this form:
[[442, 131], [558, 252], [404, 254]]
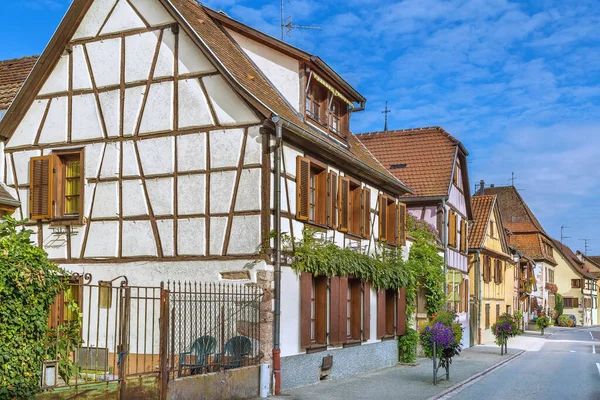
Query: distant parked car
[[573, 318]]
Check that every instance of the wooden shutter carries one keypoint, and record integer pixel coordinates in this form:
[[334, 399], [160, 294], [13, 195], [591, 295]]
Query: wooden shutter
[[440, 223], [343, 324], [382, 218], [500, 272], [302, 188], [486, 272], [366, 311], [344, 204], [332, 192], [366, 215], [305, 309], [334, 310], [380, 314], [401, 224], [41, 177], [401, 312], [321, 310]]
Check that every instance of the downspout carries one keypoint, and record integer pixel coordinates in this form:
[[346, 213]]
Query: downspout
[[277, 306], [445, 239], [479, 293]]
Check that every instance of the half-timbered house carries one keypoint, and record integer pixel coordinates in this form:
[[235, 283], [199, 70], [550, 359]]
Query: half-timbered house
[[146, 142], [491, 268], [434, 164], [529, 238]]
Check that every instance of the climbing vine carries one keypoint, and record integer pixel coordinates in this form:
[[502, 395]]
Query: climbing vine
[[29, 282]]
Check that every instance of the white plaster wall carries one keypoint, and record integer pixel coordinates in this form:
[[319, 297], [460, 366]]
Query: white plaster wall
[[123, 18], [225, 147], [191, 152], [105, 59], [230, 108], [93, 19], [153, 12], [281, 70], [191, 97], [457, 199]]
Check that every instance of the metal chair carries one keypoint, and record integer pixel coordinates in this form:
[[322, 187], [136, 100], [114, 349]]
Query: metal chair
[[202, 348]]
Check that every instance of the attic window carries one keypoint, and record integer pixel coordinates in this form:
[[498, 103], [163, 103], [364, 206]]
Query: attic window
[[397, 166], [325, 109]]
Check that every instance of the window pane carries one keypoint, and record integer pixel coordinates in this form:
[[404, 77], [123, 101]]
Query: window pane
[[72, 186]]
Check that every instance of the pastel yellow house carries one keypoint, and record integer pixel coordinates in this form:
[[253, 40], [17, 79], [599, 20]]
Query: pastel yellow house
[[491, 270], [577, 284]]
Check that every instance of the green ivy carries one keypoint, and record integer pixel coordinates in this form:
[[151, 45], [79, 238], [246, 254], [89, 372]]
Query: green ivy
[[29, 282], [324, 258], [407, 344]]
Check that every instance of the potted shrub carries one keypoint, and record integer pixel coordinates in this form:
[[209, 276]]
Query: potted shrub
[[440, 340], [505, 328], [542, 323]]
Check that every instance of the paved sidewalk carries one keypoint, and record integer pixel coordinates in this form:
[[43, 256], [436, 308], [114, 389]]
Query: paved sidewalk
[[403, 381]]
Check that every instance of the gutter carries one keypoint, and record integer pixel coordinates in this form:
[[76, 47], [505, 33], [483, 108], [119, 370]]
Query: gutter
[[423, 198], [396, 185]]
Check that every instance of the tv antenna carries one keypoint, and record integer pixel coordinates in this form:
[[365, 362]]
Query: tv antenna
[[512, 179], [287, 25], [386, 112], [562, 236], [586, 247]]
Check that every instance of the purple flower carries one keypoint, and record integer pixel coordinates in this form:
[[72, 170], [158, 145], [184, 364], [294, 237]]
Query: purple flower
[[440, 334]]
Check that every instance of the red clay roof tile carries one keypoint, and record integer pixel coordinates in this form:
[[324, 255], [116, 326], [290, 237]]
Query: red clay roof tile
[[482, 210], [12, 75], [423, 158]]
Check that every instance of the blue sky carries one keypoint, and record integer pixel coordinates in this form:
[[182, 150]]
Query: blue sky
[[517, 82]]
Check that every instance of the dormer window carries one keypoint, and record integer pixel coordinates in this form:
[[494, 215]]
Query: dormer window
[[326, 110]]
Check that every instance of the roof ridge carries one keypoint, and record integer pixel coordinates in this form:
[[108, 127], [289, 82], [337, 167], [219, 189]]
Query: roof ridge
[[417, 130], [18, 59]]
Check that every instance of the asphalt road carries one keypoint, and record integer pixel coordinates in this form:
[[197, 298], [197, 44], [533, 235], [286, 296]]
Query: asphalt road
[[566, 367]]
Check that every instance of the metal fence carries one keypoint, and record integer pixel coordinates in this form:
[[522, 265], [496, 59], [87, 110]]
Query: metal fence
[[212, 326], [110, 332]]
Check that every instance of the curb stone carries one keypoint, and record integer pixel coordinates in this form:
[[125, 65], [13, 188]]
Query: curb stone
[[467, 382]]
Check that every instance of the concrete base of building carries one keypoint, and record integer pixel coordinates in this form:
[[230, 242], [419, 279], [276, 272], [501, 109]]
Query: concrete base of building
[[304, 369]]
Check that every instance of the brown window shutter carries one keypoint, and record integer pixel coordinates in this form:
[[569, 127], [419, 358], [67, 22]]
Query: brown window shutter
[[401, 310], [382, 218], [367, 213], [344, 204], [356, 305], [334, 310], [440, 223], [321, 310], [302, 188], [40, 187], [380, 314], [332, 191], [366, 311], [343, 305], [401, 224], [305, 309]]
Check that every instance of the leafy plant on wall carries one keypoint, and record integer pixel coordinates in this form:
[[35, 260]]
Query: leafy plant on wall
[[29, 282]]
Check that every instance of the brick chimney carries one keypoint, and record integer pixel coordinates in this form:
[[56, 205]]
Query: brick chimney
[[481, 187]]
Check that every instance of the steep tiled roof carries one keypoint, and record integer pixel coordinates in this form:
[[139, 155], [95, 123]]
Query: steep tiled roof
[[528, 243], [574, 262], [244, 72], [515, 213], [482, 210], [422, 158], [12, 75], [595, 259]]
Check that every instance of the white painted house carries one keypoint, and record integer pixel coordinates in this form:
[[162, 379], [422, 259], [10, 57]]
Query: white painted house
[[142, 144]]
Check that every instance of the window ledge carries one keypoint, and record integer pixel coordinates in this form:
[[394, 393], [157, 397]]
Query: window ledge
[[352, 343], [66, 221], [388, 337], [317, 348], [316, 225]]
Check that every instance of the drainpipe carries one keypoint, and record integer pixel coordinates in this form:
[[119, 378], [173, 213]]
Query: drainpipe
[[445, 239], [478, 293], [277, 312]]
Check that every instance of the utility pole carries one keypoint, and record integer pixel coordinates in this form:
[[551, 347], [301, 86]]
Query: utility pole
[[386, 112], [562, 236]]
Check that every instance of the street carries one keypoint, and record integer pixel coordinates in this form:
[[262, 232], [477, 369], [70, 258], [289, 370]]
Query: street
[[560, 365], [565, 367]]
